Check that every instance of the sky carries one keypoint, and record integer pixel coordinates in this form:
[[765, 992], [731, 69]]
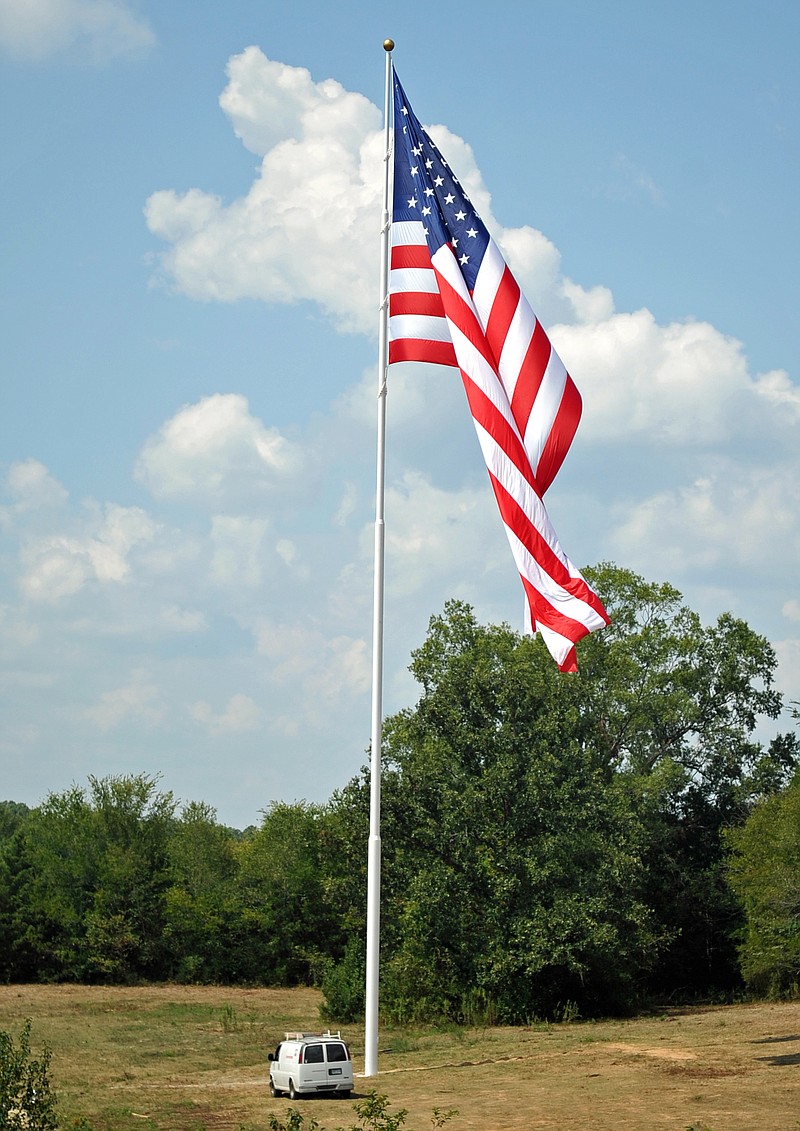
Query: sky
[[190, 197]]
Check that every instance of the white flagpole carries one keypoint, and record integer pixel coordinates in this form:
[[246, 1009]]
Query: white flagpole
[[374, 851]]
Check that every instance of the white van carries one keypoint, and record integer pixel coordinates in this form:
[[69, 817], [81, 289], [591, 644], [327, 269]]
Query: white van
[[306, 1063]]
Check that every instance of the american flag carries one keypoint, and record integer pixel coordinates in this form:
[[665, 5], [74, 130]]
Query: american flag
[[453, 301]]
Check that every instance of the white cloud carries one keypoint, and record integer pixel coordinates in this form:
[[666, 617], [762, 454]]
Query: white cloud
[[138, 701], [59, 565], [791, 609], [32, 486], [732, 517], [216, 455], [36, 29], [176, 619], [241, 715], [238, 550], [325, 667], [788, 675], [441, 535]]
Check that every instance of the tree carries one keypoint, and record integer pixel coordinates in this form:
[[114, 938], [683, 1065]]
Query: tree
[[765, 874], [511, 857], [202, 909], [287, 925], [551, 840], [90, 876], [672, 706]]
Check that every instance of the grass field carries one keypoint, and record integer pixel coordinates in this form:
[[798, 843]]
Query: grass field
[[189, 1058]]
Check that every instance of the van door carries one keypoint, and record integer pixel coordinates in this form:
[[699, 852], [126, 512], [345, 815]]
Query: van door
[[340, 1069], [313, 1071]]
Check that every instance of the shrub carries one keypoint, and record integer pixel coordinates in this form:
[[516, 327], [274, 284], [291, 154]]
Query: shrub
[[26, 1101]]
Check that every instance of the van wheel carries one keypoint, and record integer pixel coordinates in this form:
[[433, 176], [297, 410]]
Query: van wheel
[[292, 1092], [273, 1091]]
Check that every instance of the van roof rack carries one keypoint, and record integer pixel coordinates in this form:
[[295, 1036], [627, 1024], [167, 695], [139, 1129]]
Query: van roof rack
[[311, 1036]]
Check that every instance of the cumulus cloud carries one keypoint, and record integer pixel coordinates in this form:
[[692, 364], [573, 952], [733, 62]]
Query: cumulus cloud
[[241, 714], [732, 516], [32, 486], [308, 227], [59, 565], [138, 701], [238, 550], [325, 667], [105, 29], [306, 230], [216, 455]]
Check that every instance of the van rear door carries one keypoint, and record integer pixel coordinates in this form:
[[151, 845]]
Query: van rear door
[[313, 1073], [340, 1069]]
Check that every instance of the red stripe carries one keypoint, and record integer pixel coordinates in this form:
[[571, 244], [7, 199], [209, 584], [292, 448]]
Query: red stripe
[[416, 302], [464, 318], [410, 255], [517, 521], [530, 376], [422, 349], [560, 436], [503, 309], [485, 412]]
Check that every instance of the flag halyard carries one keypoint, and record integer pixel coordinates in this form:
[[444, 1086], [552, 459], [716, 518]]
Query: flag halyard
[[454, 301]]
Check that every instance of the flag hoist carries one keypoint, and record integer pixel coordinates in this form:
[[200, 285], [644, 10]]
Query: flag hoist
[[447, 297]]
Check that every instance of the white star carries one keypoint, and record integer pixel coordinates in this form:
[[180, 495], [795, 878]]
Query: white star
[[429, 164], [438, 181], [414, 171], [464, 260], [449, 198], [454, 242], [472, 233], [444, 162], [413, 202], [417, 150], [461, 215], [429, 192], [404, 110], [426, 211]]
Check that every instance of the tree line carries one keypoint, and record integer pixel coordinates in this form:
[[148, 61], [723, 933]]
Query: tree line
[[551, 845]]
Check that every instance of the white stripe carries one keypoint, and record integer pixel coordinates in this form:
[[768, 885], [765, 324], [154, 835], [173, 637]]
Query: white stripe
[[478, 370], [545, 408], [404, 279], [418, 326], [488, 280], [408, 232], [518, 339]]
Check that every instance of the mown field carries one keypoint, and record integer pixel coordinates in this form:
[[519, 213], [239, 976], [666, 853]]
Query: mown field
[[188, 1059]]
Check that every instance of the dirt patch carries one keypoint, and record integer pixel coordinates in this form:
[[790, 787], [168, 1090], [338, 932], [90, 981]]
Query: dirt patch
[[658, 1053]]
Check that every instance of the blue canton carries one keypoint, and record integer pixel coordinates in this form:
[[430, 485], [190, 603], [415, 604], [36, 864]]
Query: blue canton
[[425, 189]]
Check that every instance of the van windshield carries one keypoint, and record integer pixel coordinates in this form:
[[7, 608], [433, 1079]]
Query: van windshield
[[336, 1052]]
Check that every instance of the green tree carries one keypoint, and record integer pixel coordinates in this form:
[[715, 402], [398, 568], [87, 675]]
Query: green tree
[[765, 874], [287, 925], [672, 706], [511, 856], [554, 841], [89, 883], [202, 909]]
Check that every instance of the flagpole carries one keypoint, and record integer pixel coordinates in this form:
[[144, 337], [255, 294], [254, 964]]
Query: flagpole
[[374, 850]]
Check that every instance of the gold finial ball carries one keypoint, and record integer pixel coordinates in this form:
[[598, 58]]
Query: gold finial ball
[[388, 45]]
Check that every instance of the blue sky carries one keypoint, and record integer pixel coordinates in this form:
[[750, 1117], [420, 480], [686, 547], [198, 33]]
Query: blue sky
[[190, 201]]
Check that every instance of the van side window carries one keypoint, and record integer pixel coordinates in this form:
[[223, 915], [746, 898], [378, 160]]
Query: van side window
[[336, 1052], [313, 1054]]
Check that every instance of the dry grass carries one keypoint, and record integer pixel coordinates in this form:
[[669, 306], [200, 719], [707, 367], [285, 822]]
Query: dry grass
[[187, 1058]]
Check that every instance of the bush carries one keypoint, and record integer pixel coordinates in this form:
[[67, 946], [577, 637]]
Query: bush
[[26, 1100]]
